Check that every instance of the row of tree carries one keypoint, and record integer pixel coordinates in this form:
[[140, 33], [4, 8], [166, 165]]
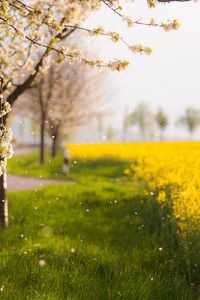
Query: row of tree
[[62, 100], [147, 121]]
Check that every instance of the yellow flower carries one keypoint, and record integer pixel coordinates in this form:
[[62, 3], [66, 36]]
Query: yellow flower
[[161, 196]]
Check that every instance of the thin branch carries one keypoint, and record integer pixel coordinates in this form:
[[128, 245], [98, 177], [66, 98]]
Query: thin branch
[[27, 83]]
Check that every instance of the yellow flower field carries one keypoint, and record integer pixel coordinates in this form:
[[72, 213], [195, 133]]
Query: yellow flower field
[[123, 151], [171, 170]]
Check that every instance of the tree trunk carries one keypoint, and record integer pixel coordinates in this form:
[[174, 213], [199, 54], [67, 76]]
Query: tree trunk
[[42, 143], [3, 201], [54, 146], [3, 189]]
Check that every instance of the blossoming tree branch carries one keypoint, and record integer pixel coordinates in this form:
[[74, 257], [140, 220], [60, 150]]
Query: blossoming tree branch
[[32, 30]]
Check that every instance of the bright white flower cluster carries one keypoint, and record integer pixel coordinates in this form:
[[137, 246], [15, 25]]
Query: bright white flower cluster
[[169, 26], [5, 109], [141, 49], [152, 3], [6, 150]]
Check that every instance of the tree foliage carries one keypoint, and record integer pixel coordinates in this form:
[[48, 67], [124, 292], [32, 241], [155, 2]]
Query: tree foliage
[[190, 119], [161, 119], [143, 118]]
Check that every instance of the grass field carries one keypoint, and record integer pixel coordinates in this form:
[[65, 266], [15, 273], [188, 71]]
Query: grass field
[[99, 239], [28, 165]]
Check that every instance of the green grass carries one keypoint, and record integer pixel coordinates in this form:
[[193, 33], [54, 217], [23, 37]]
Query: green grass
[[100, 239], [28, 165]]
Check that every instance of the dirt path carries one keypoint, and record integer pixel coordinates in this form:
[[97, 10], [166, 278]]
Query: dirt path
[[24, 150], [17, 183]]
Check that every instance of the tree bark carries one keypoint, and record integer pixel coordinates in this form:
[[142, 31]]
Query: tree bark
[[3, 201], [42, 136], [54, 146]]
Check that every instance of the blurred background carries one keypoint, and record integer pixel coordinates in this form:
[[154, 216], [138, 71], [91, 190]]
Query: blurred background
[[157, 98]]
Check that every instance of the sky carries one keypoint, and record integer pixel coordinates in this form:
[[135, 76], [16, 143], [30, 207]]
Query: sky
[[170, 77]]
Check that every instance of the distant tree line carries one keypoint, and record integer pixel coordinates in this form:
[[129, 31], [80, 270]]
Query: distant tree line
[[150, 123]]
